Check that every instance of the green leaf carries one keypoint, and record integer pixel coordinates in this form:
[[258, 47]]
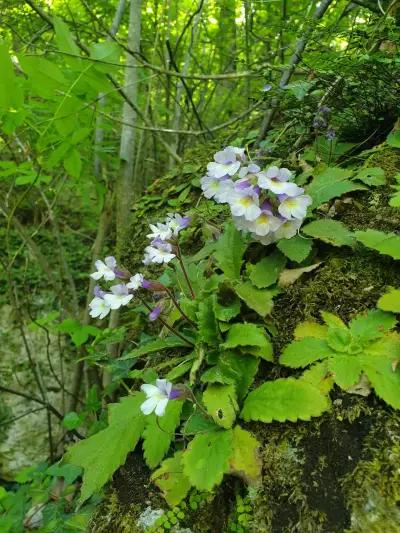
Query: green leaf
[[236, 368], [155, 346], [73, 163], [245, 461], [266, 272], [346, 370], [305, 351], [198, 423], [180, 369], [159, 432], [64, 37], [296, 249], [229, 252], [300, 88], [310, 329], [331, 183], [384, 243], [206, 459], [249, 335], [101, 454], [332, 321], [384, 377], [372, 176], [72, 420], [284, 399], [206, 321], [227, 312], [390, 301], [220, 402], [339, 339], [372, 325], [393, 139], [68, 472], [260, 300], [318, 376], [330, 231], [171, 480]]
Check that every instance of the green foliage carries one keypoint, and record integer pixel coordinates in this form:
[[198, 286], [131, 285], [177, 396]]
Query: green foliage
[[266, 272], [101, 454], [245, 461], [249, 335], [390, 301], [331, 183], [395, 199], [171, 480], [393, 139], [155, 346], [384, 243], [220, 402], [159, 433], [284, 399], [206, 459], [260, 300], [296, 249], [374, 176], [330, 231], [229, 252], [366, 346]]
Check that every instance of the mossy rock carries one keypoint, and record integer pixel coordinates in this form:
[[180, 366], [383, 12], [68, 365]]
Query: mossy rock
[[338, 473]]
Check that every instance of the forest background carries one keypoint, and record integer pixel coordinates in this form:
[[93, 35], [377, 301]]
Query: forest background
[[109, 113]]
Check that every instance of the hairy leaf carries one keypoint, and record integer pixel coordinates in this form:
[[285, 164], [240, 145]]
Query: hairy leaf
[[372, 325], [249, 335], [159, 432], [384, 243], [284, 399], [155, 346], [171, 480], [345, 369], [266, 271], [330, 231], [206, 459], [229, 252], [260, 300], [390, 301], [228, 311], [245, 461], [310, 329], [207, 323], [101, 454], [220, 402], [296, 249], [331, 183], [384, 377], [372, 176], [198, 423], [305, 351]]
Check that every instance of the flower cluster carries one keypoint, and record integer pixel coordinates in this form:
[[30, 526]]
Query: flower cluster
[[162, 239], [161, 250], [266, 203]]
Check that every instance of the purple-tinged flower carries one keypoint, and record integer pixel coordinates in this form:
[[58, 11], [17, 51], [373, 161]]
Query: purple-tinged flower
[[266, 223], [160, 231], [176, 222], [330, 134], [159, 252], [119, 296], [155, 313], [106, 269], [251, 169], [99, 307], [296, 207], [225, 164], [319, 123], [219, 189], [288, 229], [276, 181], [135, 282], [266, 88], [98, 292], [245, 203], [324, 109], [157, 397]]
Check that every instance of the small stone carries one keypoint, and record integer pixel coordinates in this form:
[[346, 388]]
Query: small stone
[[148, 517]]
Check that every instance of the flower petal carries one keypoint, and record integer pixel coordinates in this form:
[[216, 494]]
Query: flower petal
[[149, 405], [149, 390], [161, 406]]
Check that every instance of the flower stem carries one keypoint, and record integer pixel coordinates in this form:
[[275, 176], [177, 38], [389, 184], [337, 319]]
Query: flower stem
[[175, 302], [171, 329], [179, 256]]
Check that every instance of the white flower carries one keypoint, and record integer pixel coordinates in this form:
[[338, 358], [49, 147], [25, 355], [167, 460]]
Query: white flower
[[226, 163], [135, 282], [251, 169], [267, 239], [288, 229], [159, 252], [265, 223], [119, 296], [295, 207], [241, 223], [218, 189], [160, 231], [99, 308], [278, 186], [157, 397], [176, 222], [105, 269], [280, 174], [239, 152], [245, 203]]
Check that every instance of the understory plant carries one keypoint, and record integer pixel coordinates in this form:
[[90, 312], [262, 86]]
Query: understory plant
[[193, 385]]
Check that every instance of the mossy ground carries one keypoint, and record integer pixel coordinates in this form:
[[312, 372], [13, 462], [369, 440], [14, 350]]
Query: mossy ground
[[336, 473]]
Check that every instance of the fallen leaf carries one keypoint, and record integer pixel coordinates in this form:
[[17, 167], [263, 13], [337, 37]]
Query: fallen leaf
[[290, 275]]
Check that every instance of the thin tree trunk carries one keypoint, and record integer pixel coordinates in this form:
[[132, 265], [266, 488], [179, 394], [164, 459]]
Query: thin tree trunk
[[287, 74]]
